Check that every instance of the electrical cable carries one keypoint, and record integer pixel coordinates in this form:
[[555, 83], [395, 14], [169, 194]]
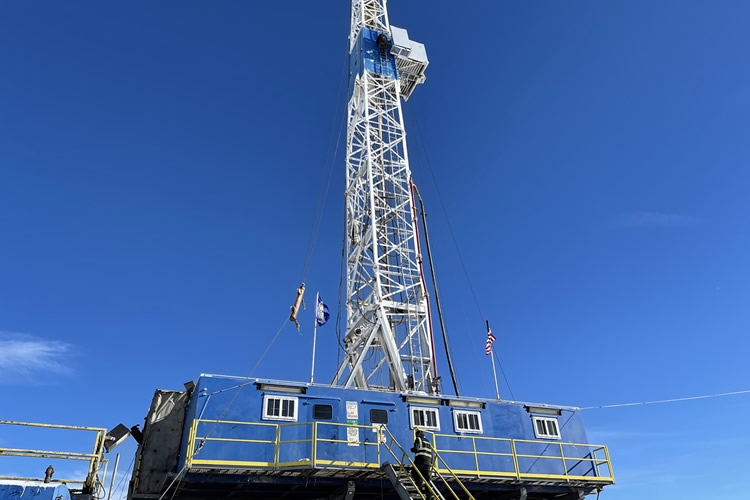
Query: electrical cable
[[435, 287], [450, 227], [99, 486], [178, 477], [342, 272], [124, 476], [512, 397], [673, 400], [325, 184]]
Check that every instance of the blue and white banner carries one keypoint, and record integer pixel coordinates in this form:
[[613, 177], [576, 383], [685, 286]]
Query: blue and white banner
[[321, 312]]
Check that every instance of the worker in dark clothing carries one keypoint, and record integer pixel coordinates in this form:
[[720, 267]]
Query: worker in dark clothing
[[422, 460]]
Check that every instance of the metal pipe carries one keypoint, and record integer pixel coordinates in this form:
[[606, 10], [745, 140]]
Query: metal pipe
[[114, 474]]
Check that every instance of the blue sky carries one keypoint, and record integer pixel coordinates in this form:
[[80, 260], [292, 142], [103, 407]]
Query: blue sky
[[160, 166]]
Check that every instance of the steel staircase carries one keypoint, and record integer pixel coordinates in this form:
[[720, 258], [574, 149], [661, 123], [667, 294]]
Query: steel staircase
[[402, 480]]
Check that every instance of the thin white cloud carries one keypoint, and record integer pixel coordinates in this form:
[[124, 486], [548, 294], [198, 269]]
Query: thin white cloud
[[25, 355], [657, 219]]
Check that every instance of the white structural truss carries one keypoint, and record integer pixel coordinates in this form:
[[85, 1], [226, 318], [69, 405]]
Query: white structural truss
[[388, 342]]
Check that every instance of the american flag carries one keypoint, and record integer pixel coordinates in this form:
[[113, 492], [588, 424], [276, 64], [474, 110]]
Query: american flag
[[490, 340]]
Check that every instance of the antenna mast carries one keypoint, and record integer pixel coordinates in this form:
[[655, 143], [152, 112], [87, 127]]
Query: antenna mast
[[388, 342]]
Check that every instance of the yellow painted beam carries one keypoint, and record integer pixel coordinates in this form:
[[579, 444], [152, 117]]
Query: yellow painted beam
[[235, 463]]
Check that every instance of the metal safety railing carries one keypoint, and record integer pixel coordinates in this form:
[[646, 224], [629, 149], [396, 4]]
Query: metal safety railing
[[94, 459], [487, 457], [320, 444], [279, 451], [406, 458]]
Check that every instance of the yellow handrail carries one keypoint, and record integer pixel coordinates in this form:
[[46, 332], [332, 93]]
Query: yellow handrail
[[426, 481], [562, 458], [95, 458], [455, 478], [196, 442], [404, 457], [517, 452], [316, 440]]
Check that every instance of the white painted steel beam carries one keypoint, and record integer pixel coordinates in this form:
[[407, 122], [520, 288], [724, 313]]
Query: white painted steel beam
[[388, 339]]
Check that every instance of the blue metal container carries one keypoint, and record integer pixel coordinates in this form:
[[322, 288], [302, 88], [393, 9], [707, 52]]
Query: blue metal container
[[25, 490], [259, 424]]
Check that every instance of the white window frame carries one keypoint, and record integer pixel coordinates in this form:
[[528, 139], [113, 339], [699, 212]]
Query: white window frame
[[425, 409], [547, 434], [291, 418], [458, 413]]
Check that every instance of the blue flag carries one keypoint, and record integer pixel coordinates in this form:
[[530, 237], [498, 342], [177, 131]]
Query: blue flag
[[321, 313]]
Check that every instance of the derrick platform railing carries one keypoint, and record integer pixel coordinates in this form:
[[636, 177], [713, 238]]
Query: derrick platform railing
[[524, 459], [220, 444]]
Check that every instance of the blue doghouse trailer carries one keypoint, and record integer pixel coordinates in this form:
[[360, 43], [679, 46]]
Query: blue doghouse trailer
[[281, 439]]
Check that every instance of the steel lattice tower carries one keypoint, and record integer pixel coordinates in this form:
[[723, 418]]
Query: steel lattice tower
[[388, 340]]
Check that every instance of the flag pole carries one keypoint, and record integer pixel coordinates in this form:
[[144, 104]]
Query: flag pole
[[315, 336], [492, 359], [494, 372]]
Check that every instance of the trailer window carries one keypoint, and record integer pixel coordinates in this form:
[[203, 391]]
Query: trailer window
[[424, 418], [546, 428], [279, 408], [378, 416], [467, 421], [322, 412]]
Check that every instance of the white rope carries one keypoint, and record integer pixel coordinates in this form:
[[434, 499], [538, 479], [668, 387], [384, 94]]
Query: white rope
[[691, 398], [178, 478]]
